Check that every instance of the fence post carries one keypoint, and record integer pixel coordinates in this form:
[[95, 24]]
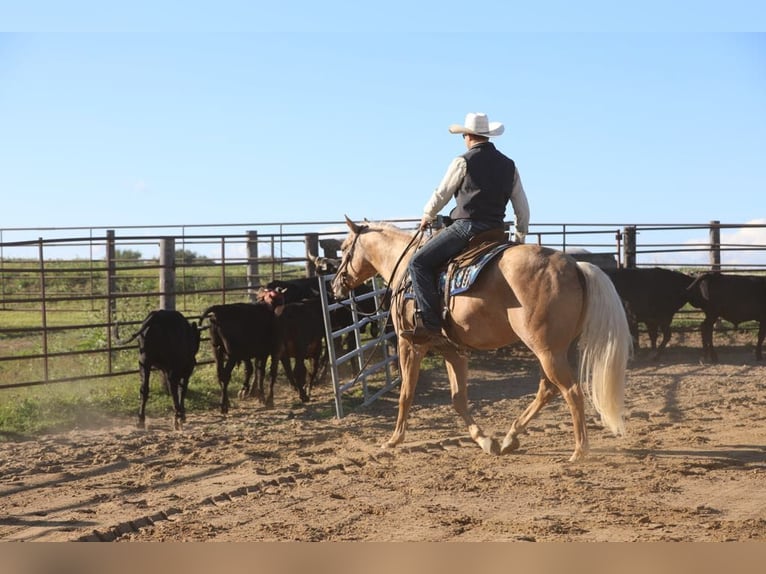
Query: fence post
[[111, 289], [168, 273], [715, 245], [618, 239], [629, 246], [111, 274], [43, 306], [312, 250], [252, 263]]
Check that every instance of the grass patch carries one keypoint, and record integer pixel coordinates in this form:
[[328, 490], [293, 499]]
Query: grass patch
[[49, 408]]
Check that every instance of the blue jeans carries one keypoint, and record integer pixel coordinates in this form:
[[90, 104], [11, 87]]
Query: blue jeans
[[427, 261]]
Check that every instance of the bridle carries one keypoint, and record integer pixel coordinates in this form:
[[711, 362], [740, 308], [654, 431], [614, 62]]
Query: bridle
[[342, 272]]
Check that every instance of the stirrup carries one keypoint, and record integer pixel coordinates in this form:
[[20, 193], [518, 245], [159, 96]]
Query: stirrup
[[420, 333]]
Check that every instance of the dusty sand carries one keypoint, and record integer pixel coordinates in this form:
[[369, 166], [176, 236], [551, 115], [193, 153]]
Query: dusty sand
[[692, 467]]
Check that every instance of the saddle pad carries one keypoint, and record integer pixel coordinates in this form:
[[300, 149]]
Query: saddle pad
[[464, 277]]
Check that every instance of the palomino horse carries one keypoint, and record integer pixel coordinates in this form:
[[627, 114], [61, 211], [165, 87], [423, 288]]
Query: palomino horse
[[530, 293]]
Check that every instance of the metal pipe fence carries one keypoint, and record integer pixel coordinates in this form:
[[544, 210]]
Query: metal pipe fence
[[61, 295]]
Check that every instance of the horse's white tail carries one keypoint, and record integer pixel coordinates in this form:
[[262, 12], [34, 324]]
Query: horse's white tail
[[605, 347]]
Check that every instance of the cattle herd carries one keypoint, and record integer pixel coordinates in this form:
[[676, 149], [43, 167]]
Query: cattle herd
[[287, 322], [653, 296]]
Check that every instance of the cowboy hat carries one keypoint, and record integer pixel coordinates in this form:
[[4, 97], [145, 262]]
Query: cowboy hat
[[477, 124]]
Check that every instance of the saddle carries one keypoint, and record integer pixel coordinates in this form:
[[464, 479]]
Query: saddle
[[460, 273]]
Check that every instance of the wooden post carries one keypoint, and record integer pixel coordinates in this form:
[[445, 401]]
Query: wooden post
[[618, 239], [312, 249], [629, 246], [715, 245], [168, 273], [252, 263]]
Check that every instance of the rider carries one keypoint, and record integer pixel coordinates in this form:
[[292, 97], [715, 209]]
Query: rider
[[482, 180]]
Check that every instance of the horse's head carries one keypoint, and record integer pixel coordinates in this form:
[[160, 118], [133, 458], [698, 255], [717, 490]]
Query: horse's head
[[355, 267]]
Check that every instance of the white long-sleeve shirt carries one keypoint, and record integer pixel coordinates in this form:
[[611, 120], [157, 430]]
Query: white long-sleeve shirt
[[452, 181]]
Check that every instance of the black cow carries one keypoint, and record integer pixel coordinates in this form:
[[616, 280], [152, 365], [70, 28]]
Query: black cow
[[169, 343], [242, 333], [307, 288], [299, 334], [651, 296], [735, 298], [295, 290]]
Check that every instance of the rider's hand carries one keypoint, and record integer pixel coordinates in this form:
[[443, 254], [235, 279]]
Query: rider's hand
[[425, 223]]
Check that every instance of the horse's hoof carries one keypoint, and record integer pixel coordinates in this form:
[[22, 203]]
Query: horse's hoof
[[510, 446], [140, 425], [242, 393], [178, 425], [578, 456], [489, 445], [388, 445]]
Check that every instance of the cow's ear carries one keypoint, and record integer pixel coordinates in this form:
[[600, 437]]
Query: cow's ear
[[351, 225]]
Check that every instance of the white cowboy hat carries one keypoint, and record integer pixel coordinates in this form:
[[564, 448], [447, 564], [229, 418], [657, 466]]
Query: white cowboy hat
[[478, 125]]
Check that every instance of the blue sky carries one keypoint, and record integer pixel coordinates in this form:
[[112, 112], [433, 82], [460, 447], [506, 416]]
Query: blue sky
[[111, 119]]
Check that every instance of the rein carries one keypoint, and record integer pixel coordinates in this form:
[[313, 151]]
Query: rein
[[344, 264]]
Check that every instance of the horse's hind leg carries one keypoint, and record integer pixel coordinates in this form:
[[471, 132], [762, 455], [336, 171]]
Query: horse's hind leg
[[545, 392], [457, 370], [558, 372]]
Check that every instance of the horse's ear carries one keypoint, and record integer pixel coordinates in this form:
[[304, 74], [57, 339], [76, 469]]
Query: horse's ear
[[351, 225]]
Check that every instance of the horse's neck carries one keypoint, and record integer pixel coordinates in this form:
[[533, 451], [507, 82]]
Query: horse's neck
[[386, 253]]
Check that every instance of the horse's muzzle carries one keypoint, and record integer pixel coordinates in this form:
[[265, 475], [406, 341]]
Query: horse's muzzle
[[338, 286]]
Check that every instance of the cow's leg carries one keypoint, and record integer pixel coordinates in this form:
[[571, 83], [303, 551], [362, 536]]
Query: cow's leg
[[651, 330], [665, 338], [273, 376], [224, 380], [708, 352], [289, 372], [633, 327], [246, 389], [145, 371], [761, 337], [300, 377], [258, 382], [317, 361], [183, 386], [174, 384]]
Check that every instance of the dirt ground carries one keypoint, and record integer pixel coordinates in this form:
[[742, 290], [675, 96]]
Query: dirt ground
[[691, 468]]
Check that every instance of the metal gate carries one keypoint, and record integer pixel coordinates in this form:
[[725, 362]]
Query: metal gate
[[371, 359]]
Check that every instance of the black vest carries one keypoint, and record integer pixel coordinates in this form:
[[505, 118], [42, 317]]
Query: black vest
[[487, 186]]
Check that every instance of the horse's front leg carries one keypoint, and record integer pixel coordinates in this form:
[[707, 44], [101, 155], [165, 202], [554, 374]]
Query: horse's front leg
[[457, 371], [410, 358]]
